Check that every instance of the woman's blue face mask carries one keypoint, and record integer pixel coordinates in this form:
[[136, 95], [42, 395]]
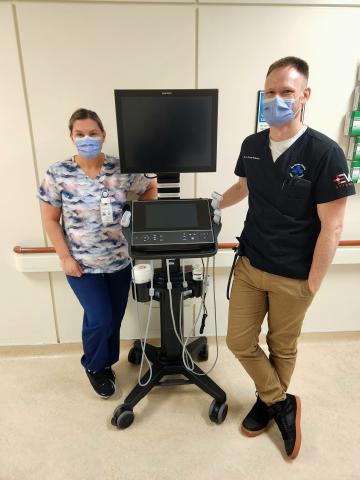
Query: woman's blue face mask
[[278, 110], [88, 147]]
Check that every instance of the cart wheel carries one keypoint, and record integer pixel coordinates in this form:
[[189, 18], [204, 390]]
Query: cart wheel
[[134, 356], [218, 411], [123, 417]]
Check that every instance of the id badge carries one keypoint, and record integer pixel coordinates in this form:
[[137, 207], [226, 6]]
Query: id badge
[[106, 211]]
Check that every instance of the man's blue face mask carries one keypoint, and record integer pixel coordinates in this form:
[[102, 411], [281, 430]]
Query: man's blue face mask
[[88, 147], [278, 110]]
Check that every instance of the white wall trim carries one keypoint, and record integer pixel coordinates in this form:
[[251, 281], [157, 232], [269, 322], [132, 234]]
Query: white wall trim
[[49, 262]]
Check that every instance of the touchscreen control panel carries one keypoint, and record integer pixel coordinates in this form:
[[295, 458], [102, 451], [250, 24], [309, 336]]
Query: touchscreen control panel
[[171, 224]]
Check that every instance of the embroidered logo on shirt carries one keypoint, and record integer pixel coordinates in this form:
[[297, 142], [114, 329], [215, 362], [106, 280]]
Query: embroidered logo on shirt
[[342, 180], [250, 156], [297, 170]]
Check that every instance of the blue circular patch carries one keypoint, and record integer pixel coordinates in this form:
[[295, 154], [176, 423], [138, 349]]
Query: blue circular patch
[[297, 170]]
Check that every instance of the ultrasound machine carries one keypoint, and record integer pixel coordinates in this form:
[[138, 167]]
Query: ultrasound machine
[[168, 132]]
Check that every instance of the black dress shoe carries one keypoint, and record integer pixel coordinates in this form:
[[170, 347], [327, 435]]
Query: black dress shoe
[[101, 383], [287, 415], [256, 420]]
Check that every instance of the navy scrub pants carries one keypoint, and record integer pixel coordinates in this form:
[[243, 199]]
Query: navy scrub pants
[[103, 297]]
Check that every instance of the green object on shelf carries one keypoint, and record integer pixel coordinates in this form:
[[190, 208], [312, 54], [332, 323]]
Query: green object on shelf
[[352, 124], [354, 149], [355, 171], [356, 101]]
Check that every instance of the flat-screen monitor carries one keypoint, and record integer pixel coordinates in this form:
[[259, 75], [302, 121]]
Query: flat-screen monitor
[[167, 131]]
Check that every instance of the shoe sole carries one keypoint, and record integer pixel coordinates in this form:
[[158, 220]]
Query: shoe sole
[[105, 397], [252, 433], [297, 445]]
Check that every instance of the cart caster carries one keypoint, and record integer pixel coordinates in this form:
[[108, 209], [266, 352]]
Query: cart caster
[[134, 356], [203, 354], [123, 417], [218, 411]]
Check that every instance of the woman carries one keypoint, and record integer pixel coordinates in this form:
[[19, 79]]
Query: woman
[[88, 191]]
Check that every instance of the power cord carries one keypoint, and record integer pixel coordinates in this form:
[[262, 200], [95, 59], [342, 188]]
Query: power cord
[[186, 356], [143, 341], [215, 318], [188, 362], [178, 336], [205, 314]]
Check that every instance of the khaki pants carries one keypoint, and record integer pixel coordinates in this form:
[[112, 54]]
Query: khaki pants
[[255, 293]]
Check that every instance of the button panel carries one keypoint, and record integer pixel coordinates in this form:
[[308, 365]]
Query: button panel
[[165, 238]]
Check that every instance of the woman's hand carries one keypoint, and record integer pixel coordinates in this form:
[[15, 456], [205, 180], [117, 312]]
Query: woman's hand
[[51, 216], [71, 266]]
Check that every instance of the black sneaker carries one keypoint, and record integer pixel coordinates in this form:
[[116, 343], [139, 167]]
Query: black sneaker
[[256, 420], [287, 415], [109, 372], [101, 383]]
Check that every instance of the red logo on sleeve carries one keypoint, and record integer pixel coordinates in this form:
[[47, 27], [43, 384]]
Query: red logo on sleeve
[[342, 180]]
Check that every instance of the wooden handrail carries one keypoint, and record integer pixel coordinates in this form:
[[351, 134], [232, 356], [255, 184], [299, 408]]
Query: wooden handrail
[[222, 246], [19, 249]]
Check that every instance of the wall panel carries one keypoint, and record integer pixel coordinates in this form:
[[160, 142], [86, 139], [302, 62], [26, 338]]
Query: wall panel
[[26, 314], [238, 43], [76, 55]]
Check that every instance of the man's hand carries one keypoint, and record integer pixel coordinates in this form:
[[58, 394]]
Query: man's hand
[[71, 267], [313, 288], [331, 216], [215, 205]]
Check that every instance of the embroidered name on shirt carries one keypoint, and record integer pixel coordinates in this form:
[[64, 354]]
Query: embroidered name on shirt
[[249, 156]]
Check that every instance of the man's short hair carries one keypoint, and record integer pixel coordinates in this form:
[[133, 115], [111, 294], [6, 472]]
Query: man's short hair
[[300, 65]]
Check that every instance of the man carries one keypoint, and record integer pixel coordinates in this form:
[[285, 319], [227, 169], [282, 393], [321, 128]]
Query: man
[[297, 181]]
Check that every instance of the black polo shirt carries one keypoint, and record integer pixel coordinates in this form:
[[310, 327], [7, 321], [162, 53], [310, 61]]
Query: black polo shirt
[[282, 224]]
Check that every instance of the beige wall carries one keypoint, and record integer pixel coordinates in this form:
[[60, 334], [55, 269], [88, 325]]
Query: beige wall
[[26, 314], [237, 44], [57, 56]]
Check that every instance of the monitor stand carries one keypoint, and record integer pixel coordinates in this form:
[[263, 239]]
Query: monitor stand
[[167, 359], [168, 185]]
